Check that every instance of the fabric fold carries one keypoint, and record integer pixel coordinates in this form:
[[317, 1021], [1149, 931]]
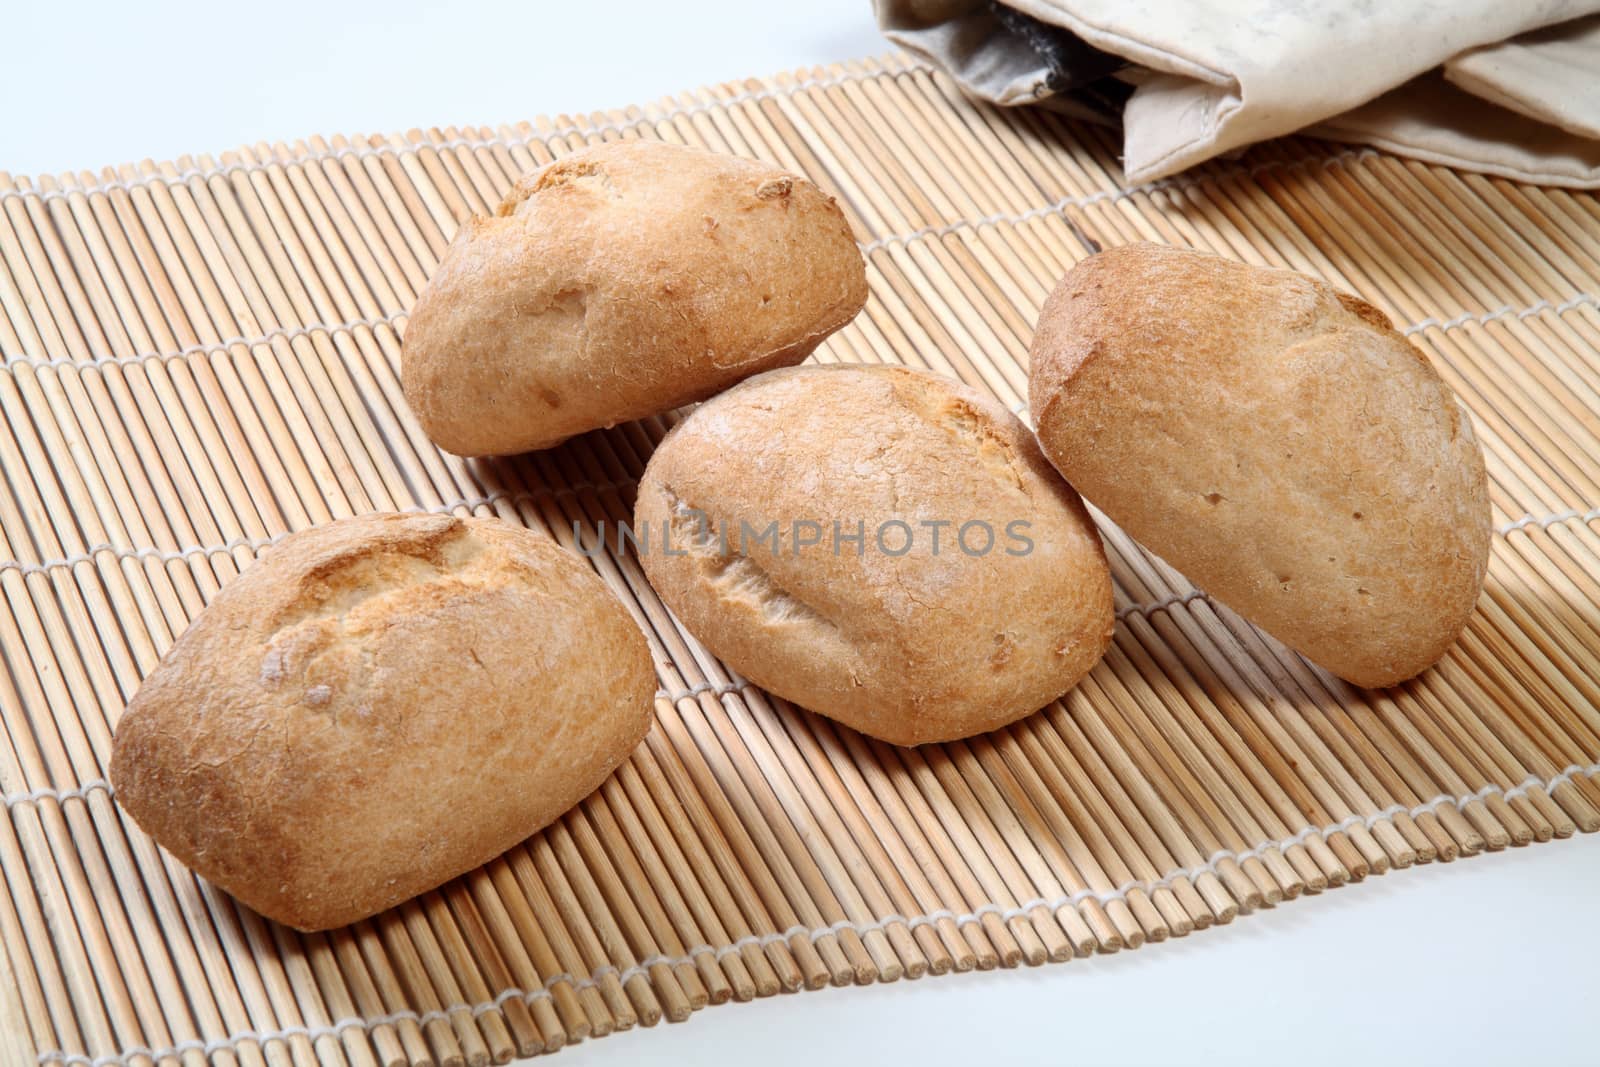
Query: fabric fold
[[1213, 76]]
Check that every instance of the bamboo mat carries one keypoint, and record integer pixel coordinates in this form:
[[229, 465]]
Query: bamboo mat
[[200, 356]]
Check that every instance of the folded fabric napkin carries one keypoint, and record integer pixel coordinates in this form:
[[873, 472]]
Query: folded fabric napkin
[[1509, 87]]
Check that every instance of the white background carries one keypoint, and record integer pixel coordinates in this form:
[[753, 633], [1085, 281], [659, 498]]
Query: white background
[[1492, 959]]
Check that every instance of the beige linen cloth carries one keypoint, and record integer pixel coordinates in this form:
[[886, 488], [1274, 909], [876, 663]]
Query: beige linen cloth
[[1509, 87]]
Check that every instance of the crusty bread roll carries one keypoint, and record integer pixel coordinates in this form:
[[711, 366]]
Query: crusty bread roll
[[900, 639], [1278, 442], [377, 706], [619, 282]]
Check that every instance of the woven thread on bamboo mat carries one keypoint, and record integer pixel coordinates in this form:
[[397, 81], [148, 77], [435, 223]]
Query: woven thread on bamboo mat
[[201, 356]]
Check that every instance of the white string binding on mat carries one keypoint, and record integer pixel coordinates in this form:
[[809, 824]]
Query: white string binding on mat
[[1175, 600], [1484, 318], [1544, 522], [287, 333], [255, 544], [60, 796], [92, 554], [1005, 913], [1183, 181], [121, 552]]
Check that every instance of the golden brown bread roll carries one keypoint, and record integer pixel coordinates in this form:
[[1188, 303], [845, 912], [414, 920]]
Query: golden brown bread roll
[[1278, 442], [377, 706], [902, 638], [619, 282]]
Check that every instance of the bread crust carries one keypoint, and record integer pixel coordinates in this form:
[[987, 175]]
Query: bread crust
[[622, 281], [378, 705], [1278, 442], [910, 648]]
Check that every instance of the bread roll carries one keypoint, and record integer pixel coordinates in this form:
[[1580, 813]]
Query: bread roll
[[619, 282], [377, 706], [902, 638], [1278, 442]]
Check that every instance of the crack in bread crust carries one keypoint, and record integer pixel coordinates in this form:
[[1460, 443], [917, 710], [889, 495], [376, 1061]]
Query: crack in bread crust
[[345, 580], [736, 575], [967, 422], [338, 603]]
